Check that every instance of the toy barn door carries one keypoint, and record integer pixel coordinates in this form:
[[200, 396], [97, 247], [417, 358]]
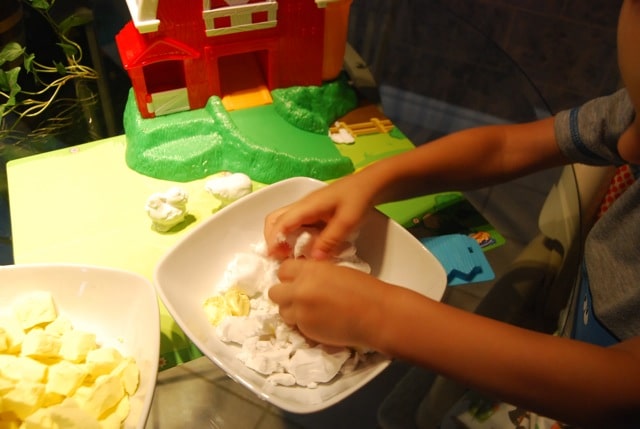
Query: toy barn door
[[166, 87]]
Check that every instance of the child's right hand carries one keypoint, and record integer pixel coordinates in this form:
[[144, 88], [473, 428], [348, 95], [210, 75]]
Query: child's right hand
[[337, 209], [331, 304]]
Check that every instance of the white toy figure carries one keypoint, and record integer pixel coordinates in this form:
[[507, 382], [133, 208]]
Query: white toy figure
[[229, 187], [168, 209], [342, 136]]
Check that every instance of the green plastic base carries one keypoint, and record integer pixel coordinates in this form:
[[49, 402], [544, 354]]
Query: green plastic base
[[257, 141]]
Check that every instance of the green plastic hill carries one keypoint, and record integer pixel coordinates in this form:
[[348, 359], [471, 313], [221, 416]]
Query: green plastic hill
[[263, 142]]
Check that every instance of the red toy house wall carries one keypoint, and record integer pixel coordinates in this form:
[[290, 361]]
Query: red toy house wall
[[289, 54], [182, 21], [301, 31]]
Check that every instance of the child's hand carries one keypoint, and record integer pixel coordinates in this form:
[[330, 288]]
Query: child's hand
[[328, 303], [336, 209]]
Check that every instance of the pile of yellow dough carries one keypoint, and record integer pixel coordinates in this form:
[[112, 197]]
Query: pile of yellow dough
[[55, 376]]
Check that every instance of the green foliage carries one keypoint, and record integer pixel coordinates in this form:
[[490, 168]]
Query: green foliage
[[16, 64], [11, 51], [43, 5]]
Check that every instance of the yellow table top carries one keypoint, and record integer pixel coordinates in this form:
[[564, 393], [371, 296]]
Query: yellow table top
[[84, 205]]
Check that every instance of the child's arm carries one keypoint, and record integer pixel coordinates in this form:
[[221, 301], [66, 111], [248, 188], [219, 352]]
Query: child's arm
[[464, 160], [565, 379]]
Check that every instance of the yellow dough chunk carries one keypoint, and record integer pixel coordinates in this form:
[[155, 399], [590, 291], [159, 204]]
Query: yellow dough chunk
[[231, 303], [13, 334], [40, 345], [24, 399], [65, 377], [34, 309], [68, 415], [104, 394], [76, 345], [22, 368], [53, 376], [102, 361], [127, 371]]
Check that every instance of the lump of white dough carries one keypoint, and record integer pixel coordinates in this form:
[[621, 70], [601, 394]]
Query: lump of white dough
[[301, 241], [250, 273], [318, 364], [268, 345], [167, 209], [229, 187]]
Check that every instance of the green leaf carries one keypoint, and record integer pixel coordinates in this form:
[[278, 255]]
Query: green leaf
[[69, 50], [74, 20], [13, 85], [60, 67], [11, 101], [10, 52], [28, 62], [9, 80], [4, 81], [40, 4]]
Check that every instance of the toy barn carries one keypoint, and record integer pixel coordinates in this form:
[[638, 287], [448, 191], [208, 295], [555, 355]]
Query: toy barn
[[179, 53]]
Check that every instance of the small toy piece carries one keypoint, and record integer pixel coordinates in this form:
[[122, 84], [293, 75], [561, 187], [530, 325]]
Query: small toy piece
[[461, 257], [228, 187], [342, 136], [168, 209]]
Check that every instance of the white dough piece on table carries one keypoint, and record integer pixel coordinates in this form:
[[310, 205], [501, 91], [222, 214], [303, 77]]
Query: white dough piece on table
[[229, 187], [167, 209]]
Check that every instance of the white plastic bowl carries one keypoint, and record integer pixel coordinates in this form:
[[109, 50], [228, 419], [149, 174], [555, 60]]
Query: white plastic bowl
[[190, 270], [121, 308]]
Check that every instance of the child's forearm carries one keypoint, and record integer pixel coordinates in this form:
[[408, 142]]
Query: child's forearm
[[468, 159], [561, 378]]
